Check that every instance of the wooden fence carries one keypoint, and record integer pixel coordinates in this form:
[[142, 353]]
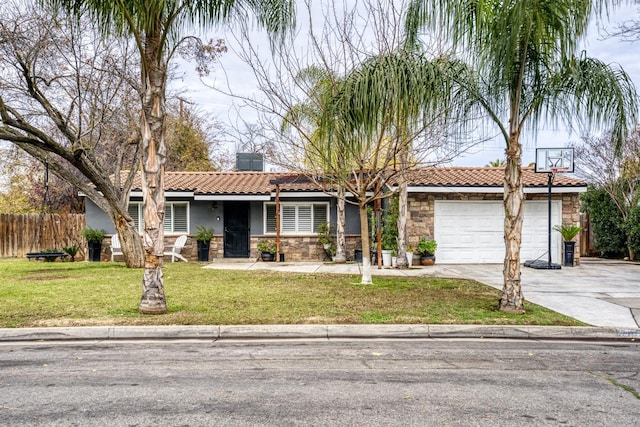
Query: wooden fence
[[24, 233]]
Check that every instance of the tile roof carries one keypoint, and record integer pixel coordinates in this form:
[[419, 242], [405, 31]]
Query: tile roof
[[233, 183], [263, 183], [483, 177]]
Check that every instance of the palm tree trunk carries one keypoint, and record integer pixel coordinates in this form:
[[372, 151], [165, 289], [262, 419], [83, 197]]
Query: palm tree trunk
[[512, 300], [366, 250], [153, 160], [402, 211], [341, 255]]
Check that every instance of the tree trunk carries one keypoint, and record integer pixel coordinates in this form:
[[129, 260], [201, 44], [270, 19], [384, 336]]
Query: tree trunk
[[512, 300], [366, 251], [153, 160], [130, 240], [341, 255], [401, 260]]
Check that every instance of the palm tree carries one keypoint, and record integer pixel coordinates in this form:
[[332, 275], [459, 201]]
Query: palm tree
[[319, 85], [525, 69], [156, 27], [383, 105]]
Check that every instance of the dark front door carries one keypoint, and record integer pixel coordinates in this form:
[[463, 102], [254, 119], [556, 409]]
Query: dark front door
[[236, 229]]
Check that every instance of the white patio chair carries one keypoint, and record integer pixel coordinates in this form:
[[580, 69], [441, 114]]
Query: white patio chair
[[116, 248], [177, 248]]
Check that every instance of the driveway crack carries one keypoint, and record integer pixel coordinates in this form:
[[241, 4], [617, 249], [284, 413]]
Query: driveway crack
[[613, 381]]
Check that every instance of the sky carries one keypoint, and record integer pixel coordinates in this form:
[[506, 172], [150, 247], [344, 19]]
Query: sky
[[232, 72]]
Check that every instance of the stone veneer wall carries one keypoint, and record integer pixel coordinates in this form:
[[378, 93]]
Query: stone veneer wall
[[304, 247], [295, 248], [420, 222]]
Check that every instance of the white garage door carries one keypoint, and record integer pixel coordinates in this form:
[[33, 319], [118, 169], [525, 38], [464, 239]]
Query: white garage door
[[472, 231]]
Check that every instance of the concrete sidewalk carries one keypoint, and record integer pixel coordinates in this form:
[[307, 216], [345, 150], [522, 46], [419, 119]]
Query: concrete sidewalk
[[317, 332], [598, 292]]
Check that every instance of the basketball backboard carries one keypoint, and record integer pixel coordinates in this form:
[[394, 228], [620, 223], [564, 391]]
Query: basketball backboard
[[548, 159]]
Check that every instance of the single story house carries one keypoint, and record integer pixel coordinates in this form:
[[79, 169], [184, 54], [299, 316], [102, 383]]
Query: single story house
[[459, 207]]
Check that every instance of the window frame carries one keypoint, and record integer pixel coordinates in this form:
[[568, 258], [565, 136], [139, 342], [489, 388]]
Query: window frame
[[168, 205], [297, 205]]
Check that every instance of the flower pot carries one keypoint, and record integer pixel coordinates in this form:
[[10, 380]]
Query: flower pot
[[357, 255], [394, 261], [203, 251], [569, 252], [409, 259], [94, 250], [267, 256], [386, 257], [427, 259]]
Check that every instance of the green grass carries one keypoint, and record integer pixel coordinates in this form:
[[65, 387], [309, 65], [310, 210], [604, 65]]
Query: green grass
[[72, 294]]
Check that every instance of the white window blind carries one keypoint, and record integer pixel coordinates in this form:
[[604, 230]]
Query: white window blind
[[271, 219], [135, 211], [295, 218], [176, 216]]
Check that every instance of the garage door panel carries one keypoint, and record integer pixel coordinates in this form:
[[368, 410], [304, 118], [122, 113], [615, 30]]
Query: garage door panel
[[472, 231]]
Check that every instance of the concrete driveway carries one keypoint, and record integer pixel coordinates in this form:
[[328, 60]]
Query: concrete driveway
[[597, 292]]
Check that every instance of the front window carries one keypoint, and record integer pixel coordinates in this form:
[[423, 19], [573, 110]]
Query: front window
[[176, 217], [296, 218]]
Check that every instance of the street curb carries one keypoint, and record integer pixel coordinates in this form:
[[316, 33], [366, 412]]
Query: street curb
[[253, 332]]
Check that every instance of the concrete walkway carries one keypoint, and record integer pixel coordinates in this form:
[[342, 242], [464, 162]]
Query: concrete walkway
[[598, 292]]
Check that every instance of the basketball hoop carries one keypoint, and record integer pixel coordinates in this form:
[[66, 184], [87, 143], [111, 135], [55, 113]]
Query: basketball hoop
[[551, 161], [554, 160]]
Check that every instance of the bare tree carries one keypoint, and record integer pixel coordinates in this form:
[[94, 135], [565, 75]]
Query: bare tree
[[628, 30], [343, 45], [68, 98]]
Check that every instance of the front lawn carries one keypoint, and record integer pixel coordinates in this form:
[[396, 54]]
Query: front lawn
[[103, 293]]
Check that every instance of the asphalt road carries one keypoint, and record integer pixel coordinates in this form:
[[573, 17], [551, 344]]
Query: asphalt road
[[320, 383]]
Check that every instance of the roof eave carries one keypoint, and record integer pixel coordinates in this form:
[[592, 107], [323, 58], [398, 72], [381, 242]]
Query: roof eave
[[492, 189]]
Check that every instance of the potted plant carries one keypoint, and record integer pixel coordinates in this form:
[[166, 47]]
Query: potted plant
[[427, 250], [267, 250], [72, 251], [409, 255], [568, 233], [326, 239], [94, 240], [388, 249], [203, 238], [389, 240]]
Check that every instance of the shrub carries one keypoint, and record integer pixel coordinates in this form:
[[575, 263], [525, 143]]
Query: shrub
[[568, 231], [390, 225], [203, 234], [427, 247], [606, 223], [632, 227], [267, 246], [93, 235]]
